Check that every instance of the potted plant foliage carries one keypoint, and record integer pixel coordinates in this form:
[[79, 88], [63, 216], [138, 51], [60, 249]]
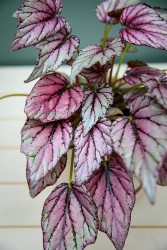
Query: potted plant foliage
[[115, 127]]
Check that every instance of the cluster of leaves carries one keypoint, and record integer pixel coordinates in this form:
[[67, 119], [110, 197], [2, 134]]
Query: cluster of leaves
[[115, 127]]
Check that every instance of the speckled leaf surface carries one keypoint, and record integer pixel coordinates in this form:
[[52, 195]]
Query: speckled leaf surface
[[44, 145], [95, 105], [111, 5], [144, 26], [141, 141], [69, 220], [96, 53], [111, 188], [51, 100], [90, 148], [156, 89]]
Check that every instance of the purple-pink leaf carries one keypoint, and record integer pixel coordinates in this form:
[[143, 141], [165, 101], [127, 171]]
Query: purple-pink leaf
[[53, 51], [133, 75], [69, 218], [96, 53], [51, 100], [111, 5], [37, 21], [36, 186], [95, 105], [144, 26], [44, 145], [141, 141], [90, 148], [162, 177], [156, 89], [95, 73], [111, 188]]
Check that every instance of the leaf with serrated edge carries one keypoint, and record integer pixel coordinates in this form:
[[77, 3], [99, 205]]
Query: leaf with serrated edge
[[133, 75], [51, 100], [111, 188], [156, 89], [90, 148], [96, 53], [162, 175], [144, 26], [141, 141], [37, 186], [53, 51], [95, 105], [69, 218], [44, 145], [111, 5], [38, 20]]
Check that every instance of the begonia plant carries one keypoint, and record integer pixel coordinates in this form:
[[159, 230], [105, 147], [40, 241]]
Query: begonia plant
[[114, 126]]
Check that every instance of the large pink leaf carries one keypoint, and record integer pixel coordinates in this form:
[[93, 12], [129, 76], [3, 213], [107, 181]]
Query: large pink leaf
[[141, 140], [162, 175], [69, 218], [112, 190], [95, 73], [156, 89], [44, 145], [133, 75], [51, 100], [96, 53], [144, 26], [111, 5], [37, 21], [53, 51], [90, 148], [95, 105]]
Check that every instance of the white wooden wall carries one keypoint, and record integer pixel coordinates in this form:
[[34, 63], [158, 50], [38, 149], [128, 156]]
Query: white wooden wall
[[20, 214]]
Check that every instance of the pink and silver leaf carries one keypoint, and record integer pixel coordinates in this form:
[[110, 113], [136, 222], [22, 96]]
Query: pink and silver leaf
[[133, 75], [51, 100], [32, 34], [96, 53], [54, 51], [162, 175], [95, 73], [90, 148], [105, 7], [111, 188], [141, 141], [69, 218], [156, 89], [36, 186], [143, 26], [95, 105], [44, 145], [33, 11]]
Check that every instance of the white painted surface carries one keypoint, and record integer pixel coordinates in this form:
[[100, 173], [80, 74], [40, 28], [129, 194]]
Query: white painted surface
[[20, 214]]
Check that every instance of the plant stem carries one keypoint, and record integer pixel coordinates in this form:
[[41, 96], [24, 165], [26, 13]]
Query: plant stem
[[120, 62], [71, 167], [12, 95], [106, 33], [111, 70]]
